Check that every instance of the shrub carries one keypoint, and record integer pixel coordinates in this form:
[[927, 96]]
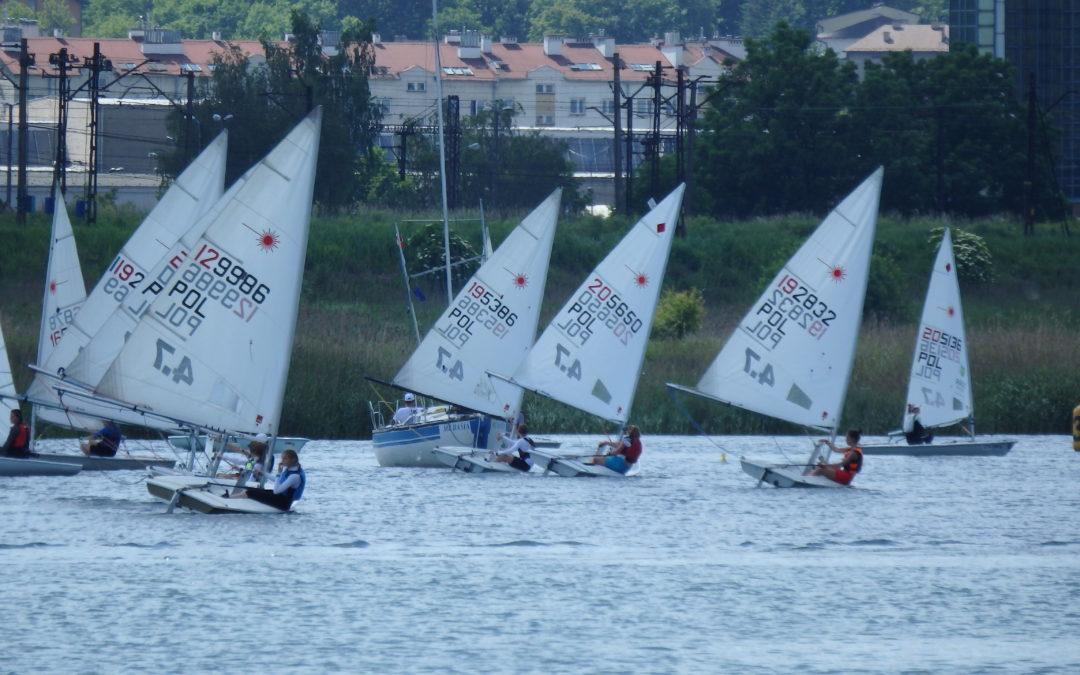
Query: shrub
[[973, 259], [679, 313]]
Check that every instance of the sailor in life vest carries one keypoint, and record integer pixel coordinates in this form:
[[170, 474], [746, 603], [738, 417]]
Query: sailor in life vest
[[623, 453], [914, 432], [517, 453], [288, 487], [851, 463], [18, 440]]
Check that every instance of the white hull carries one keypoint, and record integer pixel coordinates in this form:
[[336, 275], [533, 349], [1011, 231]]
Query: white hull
[[572, 467], [785, 476], [412, 445], [118, 463], [471, 461], [198, 493], [945, 449], [12, 466]]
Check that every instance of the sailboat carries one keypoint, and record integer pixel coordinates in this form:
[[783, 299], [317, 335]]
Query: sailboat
[[190, 196], [939, 388], [216, 355], [490, 323], [791, 355], [590, 355], [18, 466]]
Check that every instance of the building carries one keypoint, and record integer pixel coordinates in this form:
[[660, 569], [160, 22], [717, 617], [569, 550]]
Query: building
[[840, 32], [1041, 39], [923, 41]]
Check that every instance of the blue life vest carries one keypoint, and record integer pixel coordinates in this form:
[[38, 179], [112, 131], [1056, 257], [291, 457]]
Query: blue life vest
[[298, 491]]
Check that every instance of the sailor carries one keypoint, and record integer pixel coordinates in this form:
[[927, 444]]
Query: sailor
[[407, 410], [914, 431], [288, 487], [516, 450], [849, 465], [18, 440], [623, 453], [105, 442], [256, 455]]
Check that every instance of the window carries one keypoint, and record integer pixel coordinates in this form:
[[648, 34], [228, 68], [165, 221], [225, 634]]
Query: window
[[608, 107], [416, 86], [585, 66], [643, 106], [545, 89], [577, 106], [643, 67], [545, 120], [454, 70]]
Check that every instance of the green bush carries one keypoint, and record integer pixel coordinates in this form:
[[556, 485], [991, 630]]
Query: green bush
[[679, 313], [973, 259]]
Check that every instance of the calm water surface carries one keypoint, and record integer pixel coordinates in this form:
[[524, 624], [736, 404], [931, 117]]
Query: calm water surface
[[939, 565]]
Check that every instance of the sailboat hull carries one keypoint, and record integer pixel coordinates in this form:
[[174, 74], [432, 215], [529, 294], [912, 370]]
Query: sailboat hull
[[572, 467], [785, 477], [947, 449], [412, 445], [199, 494], [471, 461], [11, 466]]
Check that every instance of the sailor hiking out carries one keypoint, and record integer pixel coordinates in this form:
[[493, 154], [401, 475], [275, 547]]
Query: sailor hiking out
[[851, 463], [288, 487], [516, 452], [18, 439], [622, 454]]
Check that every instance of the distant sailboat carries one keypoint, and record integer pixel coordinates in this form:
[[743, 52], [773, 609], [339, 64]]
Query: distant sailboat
[[590, 355], [791, 355], [490, 324], [939, 388]]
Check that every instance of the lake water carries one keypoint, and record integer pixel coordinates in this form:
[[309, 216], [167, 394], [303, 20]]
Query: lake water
[[937, 565]]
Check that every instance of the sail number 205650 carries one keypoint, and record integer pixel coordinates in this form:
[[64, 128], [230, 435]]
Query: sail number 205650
[[599, 303]]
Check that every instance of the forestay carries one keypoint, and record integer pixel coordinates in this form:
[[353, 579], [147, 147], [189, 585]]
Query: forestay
[[791, 355], [940, 383], [491, 324], [214, 346], [590, 355]]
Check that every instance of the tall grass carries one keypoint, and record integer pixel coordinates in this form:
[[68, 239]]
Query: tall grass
[[1022, 325]]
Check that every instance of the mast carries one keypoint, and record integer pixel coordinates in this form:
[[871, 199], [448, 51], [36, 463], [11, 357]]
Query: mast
[[442, 150]]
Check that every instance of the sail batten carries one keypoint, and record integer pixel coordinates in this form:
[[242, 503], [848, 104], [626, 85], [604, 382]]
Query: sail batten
[[940, 380], [490, 324], [791, 355], [590, 355]]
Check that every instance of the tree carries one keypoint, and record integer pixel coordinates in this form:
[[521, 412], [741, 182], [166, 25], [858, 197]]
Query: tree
[[260, 104], [759, 16], [775, 134]]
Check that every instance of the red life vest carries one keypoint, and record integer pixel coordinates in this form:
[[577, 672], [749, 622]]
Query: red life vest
[[22, 438], [854, 465]]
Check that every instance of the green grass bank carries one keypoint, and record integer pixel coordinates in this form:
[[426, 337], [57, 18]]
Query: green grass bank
[[1023, 319]]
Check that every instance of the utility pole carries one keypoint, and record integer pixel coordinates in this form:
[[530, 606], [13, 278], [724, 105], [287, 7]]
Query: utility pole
[[939, 158], [96, 64], [691, 133], [654, 159], [189, 115], [60, 61], [629, 156], [1029, 171], [403, 146], [25, 61], [10, 143], [453, 149], [680, 130], [617, 143]]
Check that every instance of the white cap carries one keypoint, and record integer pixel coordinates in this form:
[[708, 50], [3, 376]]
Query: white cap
[[408, 396], [261, 438]]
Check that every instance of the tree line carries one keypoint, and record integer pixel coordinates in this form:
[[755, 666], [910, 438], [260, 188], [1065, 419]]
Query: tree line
[[626, 20]]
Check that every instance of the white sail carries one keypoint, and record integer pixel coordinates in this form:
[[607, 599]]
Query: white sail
[[65, 295], [940, 384], [791, 355], [491, 323], [590, 355], [7, 379], [65, 291], [190, 196], [214, 346]]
